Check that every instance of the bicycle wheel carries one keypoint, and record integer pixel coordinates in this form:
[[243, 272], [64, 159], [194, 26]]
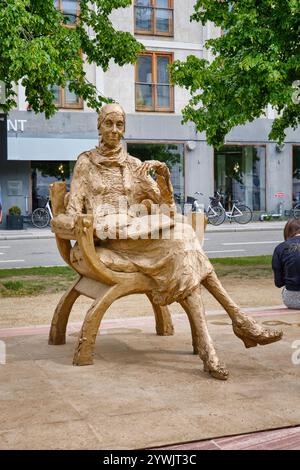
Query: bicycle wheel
[[40, 218], [216, 215], [296, 211], [242, 214]]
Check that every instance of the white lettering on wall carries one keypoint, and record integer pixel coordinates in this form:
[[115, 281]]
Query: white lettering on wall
[[16, 125]]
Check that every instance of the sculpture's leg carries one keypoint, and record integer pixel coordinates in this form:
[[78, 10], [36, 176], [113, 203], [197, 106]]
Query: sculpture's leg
[[244, 327], [61, 315], [194, 333], [194, 308], [84, 350], [164, 325]]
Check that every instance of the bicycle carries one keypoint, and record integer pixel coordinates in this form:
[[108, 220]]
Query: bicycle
[[296, 211], [241, 213], [41, 216], [215, 212]]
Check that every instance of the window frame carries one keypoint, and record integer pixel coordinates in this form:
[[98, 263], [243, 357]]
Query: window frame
[[62, 103], [153, 31], [60, 8], [154, 108]]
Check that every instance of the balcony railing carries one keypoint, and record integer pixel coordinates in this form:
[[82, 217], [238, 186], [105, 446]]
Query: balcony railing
[[154, 21], [154, 97]]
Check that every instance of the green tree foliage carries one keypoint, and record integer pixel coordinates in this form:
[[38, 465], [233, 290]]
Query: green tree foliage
[[256, 62], [37, 48]]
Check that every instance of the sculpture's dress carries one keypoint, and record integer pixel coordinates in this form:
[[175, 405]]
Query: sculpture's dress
[[176, 265]]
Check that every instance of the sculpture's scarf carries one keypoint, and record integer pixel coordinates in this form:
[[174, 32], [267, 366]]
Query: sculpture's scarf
[[109, 157]]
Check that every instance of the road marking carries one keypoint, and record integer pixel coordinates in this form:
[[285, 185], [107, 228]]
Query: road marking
[[223, 251], [252, 243], [13, 261], [1, 247]]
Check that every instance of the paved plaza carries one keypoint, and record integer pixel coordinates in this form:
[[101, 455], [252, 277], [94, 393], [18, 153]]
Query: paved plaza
[[146, 391]]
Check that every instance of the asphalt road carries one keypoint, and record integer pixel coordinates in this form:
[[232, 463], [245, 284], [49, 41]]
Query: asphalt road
[[43, 252], [254, 243]]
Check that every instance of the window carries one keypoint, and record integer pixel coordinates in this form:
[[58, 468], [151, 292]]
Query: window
[[296, 174], [64, 98], [70, 10], [43, 174], [153, 91], [240, 174], [154, 17]]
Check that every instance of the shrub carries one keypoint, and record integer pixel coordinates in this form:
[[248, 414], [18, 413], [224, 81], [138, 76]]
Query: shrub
[[14, 210]]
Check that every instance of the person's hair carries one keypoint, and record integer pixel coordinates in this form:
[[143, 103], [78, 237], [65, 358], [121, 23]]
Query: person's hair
[[292, 228]]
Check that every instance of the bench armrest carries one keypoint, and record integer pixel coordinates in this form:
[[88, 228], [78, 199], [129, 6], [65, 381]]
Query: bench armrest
[[64, 226]]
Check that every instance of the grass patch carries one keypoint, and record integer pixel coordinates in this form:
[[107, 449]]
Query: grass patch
[[244, 261], [49, 280], [13, 285], [35, 281], [248, 267], [20, 288], [38, 271]]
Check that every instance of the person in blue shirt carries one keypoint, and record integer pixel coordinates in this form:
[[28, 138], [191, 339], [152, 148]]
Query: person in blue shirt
[[286, 264]]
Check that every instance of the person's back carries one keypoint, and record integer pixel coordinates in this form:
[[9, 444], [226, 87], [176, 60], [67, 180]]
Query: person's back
[[286, 264]]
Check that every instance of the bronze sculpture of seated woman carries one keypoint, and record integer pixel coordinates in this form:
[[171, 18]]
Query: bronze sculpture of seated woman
[[111, 184]]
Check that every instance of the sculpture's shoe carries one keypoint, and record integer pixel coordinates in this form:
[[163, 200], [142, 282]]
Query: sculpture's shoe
[[216, 369], [252, 334]]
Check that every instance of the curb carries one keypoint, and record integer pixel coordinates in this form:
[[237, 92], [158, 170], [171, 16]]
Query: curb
[[47, 234], [25, 237], [243, 229]]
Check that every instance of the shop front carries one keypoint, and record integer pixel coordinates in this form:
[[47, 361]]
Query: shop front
[[45, 173], [40, 152], [296, 174], [240, 174]]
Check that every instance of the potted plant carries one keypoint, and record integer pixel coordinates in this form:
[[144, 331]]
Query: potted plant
[[14, 219]]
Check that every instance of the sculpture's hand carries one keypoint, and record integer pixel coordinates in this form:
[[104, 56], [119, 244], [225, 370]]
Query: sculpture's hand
[[163, 179], [159, 167], [166, 189]]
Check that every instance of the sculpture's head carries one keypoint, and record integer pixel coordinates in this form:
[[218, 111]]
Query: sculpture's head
[[111, 124]]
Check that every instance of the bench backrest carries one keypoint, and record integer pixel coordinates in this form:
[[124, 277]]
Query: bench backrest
[[58, 192]]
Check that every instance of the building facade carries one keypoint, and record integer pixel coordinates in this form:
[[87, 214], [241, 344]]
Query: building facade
[[249, 167]]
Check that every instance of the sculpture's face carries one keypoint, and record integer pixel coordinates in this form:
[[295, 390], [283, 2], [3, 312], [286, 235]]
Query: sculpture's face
[[112, 129]]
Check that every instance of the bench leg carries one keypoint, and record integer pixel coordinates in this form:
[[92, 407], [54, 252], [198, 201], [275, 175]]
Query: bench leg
[[61, 315], [163, 320], [84, 350]]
